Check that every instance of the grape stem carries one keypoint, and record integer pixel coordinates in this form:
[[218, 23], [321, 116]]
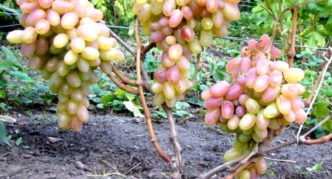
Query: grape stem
[[197, 68], [121, 85], [176, 164], [123, 43], [238, 170], [291, 51], [125, 79], [142, 98], [328, 62]]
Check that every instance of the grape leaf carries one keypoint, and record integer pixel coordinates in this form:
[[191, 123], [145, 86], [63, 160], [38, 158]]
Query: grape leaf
[[321, 110]]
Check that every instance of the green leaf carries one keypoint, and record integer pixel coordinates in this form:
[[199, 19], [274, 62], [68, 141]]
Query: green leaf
[[9, 54], [196, 100], [181, 113], [130, 96], [21, 76], [3, 131], [95, 89], [5, 65], [151, 64], [161, 113], [18, 141], [100, 106], [120, 92], [133, 108], [107, 98], [321, 111], [181, 104], [2, 94]]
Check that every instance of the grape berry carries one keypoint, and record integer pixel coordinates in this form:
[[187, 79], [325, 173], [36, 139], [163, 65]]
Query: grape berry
[[181, 28], [67, 41], [262, 99]]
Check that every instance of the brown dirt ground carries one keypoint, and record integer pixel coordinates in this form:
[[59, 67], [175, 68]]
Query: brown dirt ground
[[111, 146]]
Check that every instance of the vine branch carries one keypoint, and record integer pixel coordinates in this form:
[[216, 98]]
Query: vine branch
[[142, 98], [176, 145], [121, 85], [292, 52], [125, 79]]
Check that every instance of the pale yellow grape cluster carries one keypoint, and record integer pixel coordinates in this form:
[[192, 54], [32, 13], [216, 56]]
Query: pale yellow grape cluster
[[262, 99], [66, 40], [181, 28]]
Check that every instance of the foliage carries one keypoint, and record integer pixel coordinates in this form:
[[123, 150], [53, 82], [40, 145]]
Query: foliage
[[16, 86], [314, 22], [4, 137], [9, 12], [117, 12], [105, 94]]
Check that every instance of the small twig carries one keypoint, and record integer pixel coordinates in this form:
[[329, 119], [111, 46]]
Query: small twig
[[5, 154], [321, 140], [148, 48], [132, 168], [238, 170], [125, 79], [121, 85], [280, 160], [267, 10], [123, 43], [317, 91], [274, 33], [292, 52], [222, 167], [197, 68], [176, 145], [142, 98], [302, 138], [147, 80]]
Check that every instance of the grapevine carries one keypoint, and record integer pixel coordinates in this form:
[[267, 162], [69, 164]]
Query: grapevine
[[66, 41], [181, 28], [262, 99]]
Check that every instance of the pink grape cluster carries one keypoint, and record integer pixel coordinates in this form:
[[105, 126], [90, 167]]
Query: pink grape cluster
[[66, 40], [181, 28], [262, 99]]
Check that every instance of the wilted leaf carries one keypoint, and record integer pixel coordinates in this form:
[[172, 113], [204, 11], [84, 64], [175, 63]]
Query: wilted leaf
[[133, 108], [6, 118]]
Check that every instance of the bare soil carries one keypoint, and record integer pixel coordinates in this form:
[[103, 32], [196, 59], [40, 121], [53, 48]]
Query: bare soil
[[111, 146]]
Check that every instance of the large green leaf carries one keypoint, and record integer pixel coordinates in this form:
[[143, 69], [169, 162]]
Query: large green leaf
[[321, 111]]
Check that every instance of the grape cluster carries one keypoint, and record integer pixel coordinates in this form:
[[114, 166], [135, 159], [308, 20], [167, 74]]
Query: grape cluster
[[181, 28], [66, 40], [262, 99]]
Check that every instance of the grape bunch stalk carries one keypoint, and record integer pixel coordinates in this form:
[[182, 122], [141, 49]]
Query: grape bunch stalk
[[262, 99], [181, 28], [67, 41]]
